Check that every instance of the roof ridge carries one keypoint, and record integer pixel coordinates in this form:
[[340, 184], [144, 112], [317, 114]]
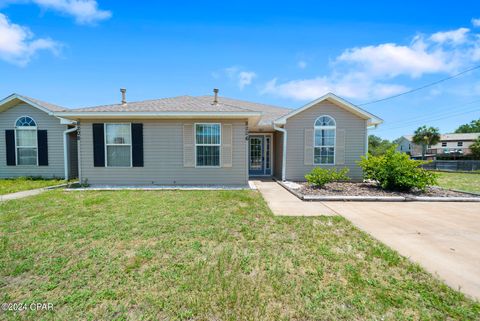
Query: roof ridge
[[245, 101]]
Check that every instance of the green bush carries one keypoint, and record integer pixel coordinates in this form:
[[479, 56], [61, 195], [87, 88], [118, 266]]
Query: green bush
[[396, 171], [318, 177]]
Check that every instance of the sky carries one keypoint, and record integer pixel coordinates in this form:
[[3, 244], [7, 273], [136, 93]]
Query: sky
[[78, 53]]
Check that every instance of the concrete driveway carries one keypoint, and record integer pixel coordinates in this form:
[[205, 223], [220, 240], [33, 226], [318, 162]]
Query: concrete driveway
[[444, 238]]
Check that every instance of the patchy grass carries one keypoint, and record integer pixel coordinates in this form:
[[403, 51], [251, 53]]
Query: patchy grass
[[204, 255], [460, 181], [12, 185]]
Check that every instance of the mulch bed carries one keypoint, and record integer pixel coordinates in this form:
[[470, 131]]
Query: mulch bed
[[371, 189]]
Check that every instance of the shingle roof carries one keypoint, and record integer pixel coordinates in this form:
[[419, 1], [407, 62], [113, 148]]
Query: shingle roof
[[460, 136], [43, 104], [452, 136], [173, 104], [195, 104], [270, 112]]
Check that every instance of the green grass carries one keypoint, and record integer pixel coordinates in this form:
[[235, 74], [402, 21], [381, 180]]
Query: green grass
[[460, 181], [204, 255], [12, 185]]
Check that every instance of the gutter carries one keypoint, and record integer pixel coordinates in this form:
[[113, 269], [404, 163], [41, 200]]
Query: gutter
[[168, 114], [284, 153], [65, 149]]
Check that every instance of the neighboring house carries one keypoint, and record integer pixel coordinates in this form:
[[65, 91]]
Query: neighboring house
[[405, 145], [450, 145], [203, 140]]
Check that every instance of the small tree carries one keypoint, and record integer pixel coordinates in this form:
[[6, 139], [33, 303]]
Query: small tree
[[475, 148], [378, 146], [425, 136]]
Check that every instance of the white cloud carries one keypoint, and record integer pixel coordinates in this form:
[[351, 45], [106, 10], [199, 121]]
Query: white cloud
[[476, 22], [84, 11], [18, 44], [350, 86], [457, 36], [242, 78], [302, 64], [245, 78], [369, 72]]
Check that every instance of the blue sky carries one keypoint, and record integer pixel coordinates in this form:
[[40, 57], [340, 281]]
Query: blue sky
[[79, 53]]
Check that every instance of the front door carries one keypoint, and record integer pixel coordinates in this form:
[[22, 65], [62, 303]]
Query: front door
[[256, 163], [259, 151]]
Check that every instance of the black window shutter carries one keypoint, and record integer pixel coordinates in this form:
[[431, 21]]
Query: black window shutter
[[137, 145], [98, 145], [42, 143], [10, 147]]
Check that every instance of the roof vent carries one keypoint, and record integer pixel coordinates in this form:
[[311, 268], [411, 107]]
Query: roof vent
[[215, 97], [124, 98]]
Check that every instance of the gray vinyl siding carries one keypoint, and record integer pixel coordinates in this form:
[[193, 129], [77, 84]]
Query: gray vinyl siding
[[163, 157], [277, 154], [355, 131], [44, 121]]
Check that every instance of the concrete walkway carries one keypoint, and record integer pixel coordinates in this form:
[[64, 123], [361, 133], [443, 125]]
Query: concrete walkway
[[284, 203], [22, 194], [443, 237]]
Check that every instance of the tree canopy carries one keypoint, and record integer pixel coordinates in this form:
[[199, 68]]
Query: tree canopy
[[425, 136], [475, 148], [378, 146], [472, 127]]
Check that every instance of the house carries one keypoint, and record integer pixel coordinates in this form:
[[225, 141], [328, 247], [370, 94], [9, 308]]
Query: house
[[450, 146], [181, 140]]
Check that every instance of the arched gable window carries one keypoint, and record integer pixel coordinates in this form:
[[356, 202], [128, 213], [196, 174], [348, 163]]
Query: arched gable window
[[26, 141], [324, 141]]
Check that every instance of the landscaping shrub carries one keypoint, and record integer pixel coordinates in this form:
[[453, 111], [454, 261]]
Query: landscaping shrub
[[318, 177], [396, 171]]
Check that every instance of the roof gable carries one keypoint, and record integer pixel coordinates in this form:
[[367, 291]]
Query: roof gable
[[14, 99], [340, 102]]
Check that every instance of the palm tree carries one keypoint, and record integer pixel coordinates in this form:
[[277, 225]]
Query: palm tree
[[426, 136]]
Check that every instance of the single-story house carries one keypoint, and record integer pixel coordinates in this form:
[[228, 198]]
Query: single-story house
[[181, 140], [450, 145]]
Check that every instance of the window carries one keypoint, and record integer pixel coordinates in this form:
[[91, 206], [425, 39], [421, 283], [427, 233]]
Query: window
[[324, 141], [444, 144], [207, 144], [26, 141], [118, 145], [459, 144]]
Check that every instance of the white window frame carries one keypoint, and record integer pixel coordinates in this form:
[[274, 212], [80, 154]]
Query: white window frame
[[219, 145], [106, 144], [459, 144], [315, 128], [35, 128]]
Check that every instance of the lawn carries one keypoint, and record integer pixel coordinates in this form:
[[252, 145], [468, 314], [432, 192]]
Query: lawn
[[460, 181], [25, 183], [204, 255]]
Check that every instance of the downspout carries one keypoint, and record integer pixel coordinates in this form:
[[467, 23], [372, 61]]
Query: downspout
[[366, 139], [284, 153], [65, 149]]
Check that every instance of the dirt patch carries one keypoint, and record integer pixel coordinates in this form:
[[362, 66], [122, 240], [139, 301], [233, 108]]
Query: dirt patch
[[370, 189]]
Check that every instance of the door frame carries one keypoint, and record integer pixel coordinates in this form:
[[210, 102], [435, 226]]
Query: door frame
[[264, 149]]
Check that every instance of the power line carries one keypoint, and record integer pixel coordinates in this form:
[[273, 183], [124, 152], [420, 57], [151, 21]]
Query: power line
[[437, 113], [422, 87], [432, 120]]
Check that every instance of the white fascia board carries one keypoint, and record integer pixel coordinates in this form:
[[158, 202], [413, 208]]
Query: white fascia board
[[125, 114], [372, 119], [25, 100]]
